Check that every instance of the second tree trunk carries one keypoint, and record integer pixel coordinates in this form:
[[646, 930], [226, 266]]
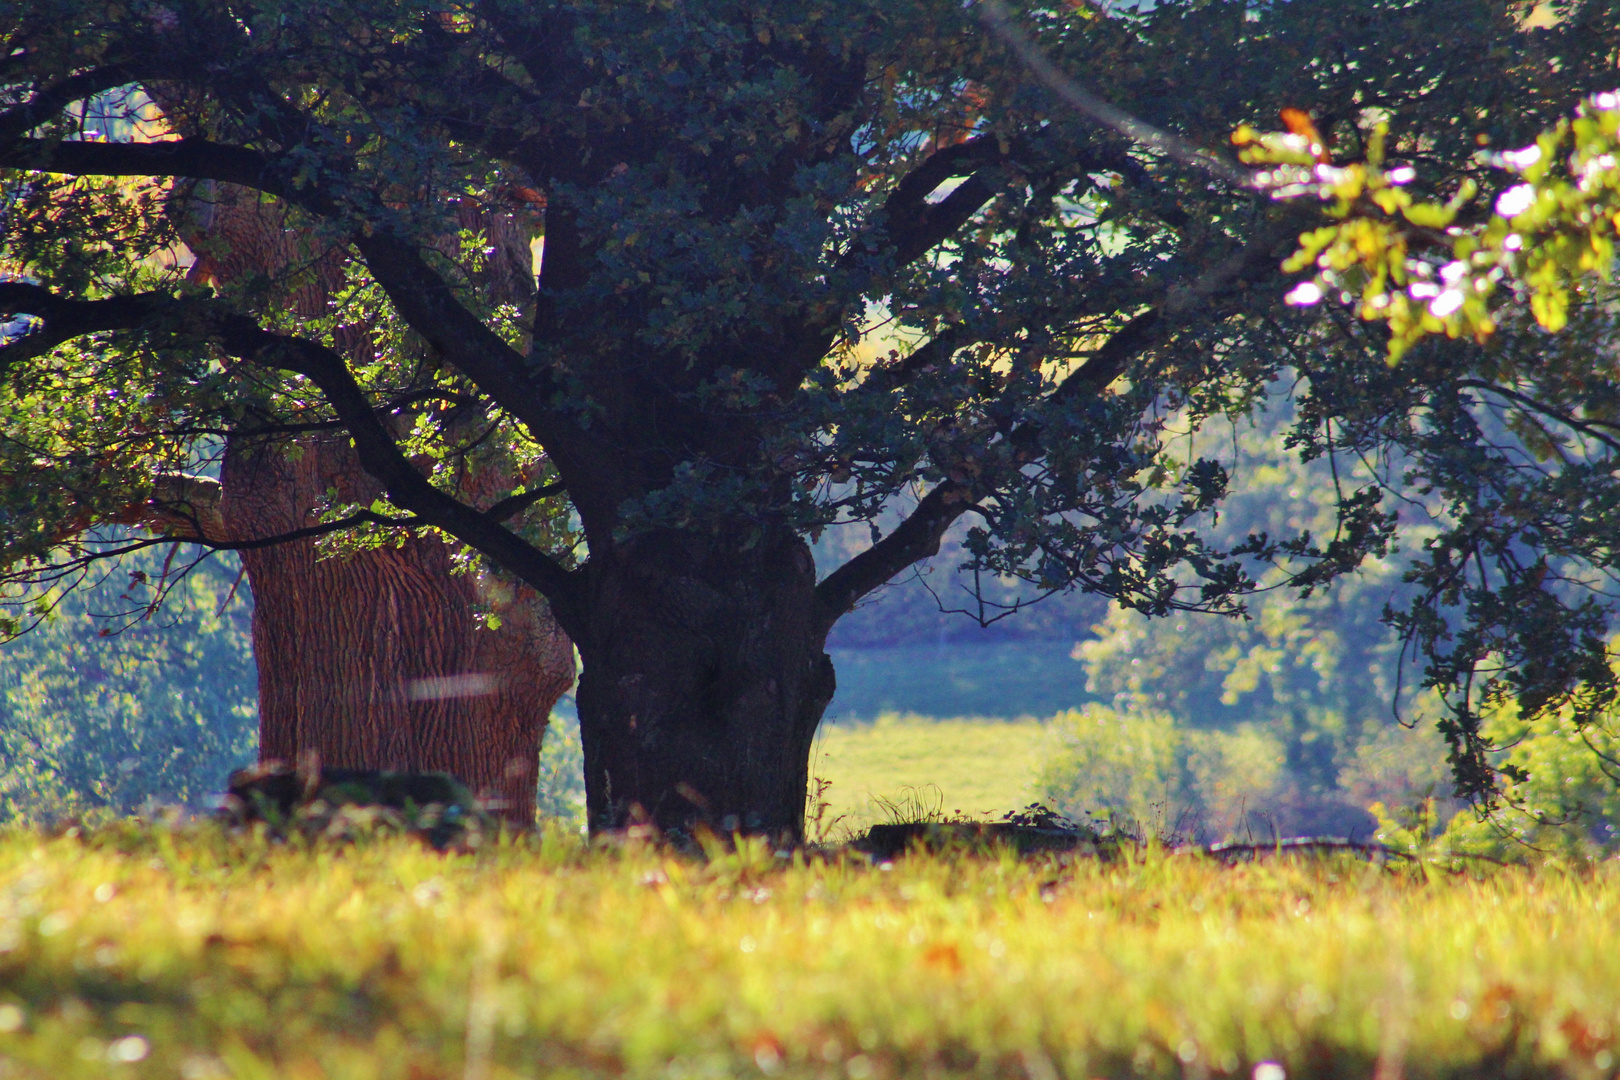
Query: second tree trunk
[[376, 660]]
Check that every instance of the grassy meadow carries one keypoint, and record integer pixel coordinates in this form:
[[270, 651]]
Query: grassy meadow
[[138, 951], [969, 766]]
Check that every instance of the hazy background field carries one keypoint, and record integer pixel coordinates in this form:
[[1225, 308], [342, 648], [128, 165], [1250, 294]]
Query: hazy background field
[[975, 767]]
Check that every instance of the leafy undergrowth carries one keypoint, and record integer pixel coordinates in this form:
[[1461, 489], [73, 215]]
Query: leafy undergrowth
[[137, 951]]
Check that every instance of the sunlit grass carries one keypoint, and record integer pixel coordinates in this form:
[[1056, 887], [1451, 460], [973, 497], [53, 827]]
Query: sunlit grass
[[137, 952], [968, 766]]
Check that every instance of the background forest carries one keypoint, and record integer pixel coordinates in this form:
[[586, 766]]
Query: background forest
[[1292, 721], [107, 707]]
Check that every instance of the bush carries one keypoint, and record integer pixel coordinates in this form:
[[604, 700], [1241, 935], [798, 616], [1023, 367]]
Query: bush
[[1106, 763], [1135, 761], [1568, 802]]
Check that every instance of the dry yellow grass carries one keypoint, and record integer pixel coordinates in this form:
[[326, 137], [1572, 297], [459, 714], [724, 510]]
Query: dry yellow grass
[[138, 952]]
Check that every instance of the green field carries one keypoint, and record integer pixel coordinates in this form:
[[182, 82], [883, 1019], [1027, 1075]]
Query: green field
[[975, 767], [140, 952]]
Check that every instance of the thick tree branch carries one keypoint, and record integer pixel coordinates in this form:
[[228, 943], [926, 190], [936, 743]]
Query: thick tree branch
[[1529, 403], [383, 459], [379, 454], [186, 509], [947, 163], [915, 539], [65, 320], [918, 537], [936, 350], [183, 508], [1259, 260], [50, 101], [180, 500], [910, 224], [513, 505], [194, 159], [177, 501], [25, 298], [427, 303], [423, 298], [937, 222], [1109, 362], [325, 528]]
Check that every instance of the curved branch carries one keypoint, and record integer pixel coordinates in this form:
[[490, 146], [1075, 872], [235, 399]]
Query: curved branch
[[420, 295], [919, 535], [383, 459], [1109, 362], [180, 500], [184, 501], [426, 302], [66, 319], [203, 526], [937, 222], [936, 350], [1256, 260], [1525, 401], [512, 506], [183, 508], [915, 539]]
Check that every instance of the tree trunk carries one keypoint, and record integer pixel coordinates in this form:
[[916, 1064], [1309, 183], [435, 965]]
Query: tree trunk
[[705, 678], [376, 660]]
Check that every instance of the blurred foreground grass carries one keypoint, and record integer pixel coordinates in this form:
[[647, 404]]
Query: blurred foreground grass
[[139, 952], [970, 766]]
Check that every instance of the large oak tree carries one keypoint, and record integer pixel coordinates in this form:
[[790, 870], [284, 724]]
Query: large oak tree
[[738, 200]]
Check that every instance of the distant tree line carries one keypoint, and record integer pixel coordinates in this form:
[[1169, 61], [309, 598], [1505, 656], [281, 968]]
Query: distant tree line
[[104, 710]]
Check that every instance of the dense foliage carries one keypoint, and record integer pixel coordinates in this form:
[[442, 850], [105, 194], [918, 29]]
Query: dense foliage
[[1545, 244], [733, 199]]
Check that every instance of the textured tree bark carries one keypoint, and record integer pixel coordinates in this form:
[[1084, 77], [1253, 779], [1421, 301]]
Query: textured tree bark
[[705, 678], [376, 660]]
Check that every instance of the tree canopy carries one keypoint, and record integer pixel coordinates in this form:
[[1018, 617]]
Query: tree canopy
[[802, 266]]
